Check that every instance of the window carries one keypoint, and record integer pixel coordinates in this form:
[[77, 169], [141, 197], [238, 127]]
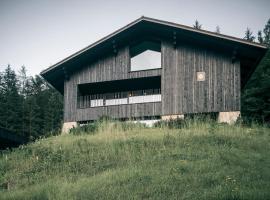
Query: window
[[145, 55]]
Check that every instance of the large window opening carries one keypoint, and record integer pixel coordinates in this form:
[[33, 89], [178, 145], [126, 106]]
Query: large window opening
[[132, 91], [145, 55]]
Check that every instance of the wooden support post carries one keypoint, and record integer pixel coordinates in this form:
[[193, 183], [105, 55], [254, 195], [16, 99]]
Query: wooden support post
[[234, 55], [174, 39], [114, 46], [66, 75]]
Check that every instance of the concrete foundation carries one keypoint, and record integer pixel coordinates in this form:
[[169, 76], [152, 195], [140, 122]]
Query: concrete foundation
[[67, 126], [228, 117], [172, 117]]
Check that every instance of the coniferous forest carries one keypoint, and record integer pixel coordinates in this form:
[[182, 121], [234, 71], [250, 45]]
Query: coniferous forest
[[255, 101], [28, 105], [32, 108]]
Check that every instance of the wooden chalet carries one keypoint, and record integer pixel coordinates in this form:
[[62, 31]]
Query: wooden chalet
[[152, 69]]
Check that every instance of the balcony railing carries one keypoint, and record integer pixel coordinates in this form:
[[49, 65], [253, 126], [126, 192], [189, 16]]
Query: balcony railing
[[103, 100], [145, 98], [110, 102], [96, 102]]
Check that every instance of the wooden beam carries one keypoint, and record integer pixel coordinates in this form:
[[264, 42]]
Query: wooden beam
[[234, 55], [66, 75], [174, 39], [114, 46]]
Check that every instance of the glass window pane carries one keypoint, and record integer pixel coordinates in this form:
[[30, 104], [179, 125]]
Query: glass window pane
[[145, 55], [146, 60]]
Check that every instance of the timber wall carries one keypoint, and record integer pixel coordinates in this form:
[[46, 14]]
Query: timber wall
[[181, 92]]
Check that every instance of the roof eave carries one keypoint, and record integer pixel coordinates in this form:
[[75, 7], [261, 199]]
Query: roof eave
[[161, 22]]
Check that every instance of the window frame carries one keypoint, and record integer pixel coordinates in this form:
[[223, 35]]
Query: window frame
[[138, 42]]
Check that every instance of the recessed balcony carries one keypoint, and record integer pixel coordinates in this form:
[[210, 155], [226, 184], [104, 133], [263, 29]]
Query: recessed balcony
[[134, 91]]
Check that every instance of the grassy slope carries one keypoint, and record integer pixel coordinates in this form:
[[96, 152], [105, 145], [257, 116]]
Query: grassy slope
[[202, 161]]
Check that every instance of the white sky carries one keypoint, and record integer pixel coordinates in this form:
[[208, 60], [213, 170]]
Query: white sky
[[39, 33]]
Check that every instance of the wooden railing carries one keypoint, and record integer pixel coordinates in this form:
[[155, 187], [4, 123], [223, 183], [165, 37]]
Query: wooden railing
[[145, 98], [87, 102]]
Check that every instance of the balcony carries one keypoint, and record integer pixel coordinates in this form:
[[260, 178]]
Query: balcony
[[120, 98], [120, 92]]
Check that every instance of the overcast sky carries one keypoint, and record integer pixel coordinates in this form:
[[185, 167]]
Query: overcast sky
[[39, 33]]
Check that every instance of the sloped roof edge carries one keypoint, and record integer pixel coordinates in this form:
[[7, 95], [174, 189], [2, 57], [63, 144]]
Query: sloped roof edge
[[157, 21]]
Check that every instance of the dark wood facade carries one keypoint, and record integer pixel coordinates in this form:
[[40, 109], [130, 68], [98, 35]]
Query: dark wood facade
[[226, 62], [110, 68], [181, 92]]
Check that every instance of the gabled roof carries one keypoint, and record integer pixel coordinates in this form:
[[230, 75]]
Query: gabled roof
[[55, 74]]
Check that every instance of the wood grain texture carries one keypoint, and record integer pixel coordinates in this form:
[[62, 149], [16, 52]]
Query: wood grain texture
[[108, 68], [126, 111], [181, 92]]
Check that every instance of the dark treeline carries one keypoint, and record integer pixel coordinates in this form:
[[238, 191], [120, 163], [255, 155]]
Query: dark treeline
[[255, 100], [256, 95], [28, 105]]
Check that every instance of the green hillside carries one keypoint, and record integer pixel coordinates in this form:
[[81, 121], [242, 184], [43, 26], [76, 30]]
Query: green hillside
[[124, 161]]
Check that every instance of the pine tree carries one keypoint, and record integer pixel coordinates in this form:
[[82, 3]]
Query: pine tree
[[10, 102], [54, 111], [49, 104], [249, 35], [39, 97], [260, 37], [23, 80], [256, 96], [2, 100], [264, 36], [217, 29], [32, 118], [266, 31], [197, 25], [28, 106]]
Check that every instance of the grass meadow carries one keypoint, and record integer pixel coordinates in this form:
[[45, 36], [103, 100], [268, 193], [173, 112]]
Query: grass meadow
[[116, 160]]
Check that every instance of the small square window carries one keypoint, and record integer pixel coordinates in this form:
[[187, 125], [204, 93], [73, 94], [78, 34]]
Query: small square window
[[200, 76]]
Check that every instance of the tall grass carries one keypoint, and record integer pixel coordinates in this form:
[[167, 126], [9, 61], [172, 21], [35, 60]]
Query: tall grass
[[191, 159]]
